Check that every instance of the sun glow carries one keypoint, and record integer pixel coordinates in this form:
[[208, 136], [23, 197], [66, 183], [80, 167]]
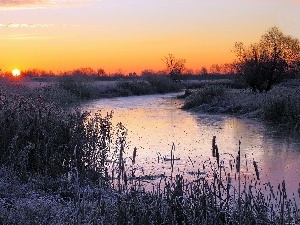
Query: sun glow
[[16, 72]]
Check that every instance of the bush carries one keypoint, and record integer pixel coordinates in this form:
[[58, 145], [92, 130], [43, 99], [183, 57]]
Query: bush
[[163, 84], [41, 137], [77, 85], [283, 107], [206, 95], [149, 85], [139, 87], [54, 93]]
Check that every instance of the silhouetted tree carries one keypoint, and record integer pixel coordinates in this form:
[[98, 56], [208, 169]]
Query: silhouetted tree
[[83, 71], [203, 71], [101, 72], [175, 67], [148, 72], [263, 64], [35, 73], [227, 68], [215, 69]]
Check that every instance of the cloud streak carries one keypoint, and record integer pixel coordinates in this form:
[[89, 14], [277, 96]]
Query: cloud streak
[[21, 37], [25, 25], [23, 4]]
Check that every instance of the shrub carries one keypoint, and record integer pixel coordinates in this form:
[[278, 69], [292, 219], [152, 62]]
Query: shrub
[[53, 93], [41, 137], [139, 87], [149, 85], [206, 95], [77, 85], [283, 107], [163, 84]]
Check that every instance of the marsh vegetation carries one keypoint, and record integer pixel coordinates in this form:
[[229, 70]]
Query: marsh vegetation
[[280, 106], [60, 165]]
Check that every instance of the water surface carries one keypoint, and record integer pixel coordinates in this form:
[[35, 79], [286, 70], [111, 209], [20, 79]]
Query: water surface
[[155, 122]]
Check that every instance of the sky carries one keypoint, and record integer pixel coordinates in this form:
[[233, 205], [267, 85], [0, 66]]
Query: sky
[[134, 35]]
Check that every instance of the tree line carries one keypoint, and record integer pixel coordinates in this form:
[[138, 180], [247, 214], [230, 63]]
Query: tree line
[[260, 65]]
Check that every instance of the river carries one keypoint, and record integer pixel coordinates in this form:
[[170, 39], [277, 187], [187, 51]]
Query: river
[[155, 122]]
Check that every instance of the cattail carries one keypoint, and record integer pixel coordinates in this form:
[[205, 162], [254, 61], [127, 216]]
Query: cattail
[[238, 163], [214, 146], [158, 156], [125, 178], [272, 192], [134, 155], [228, 179], [217, 155], [106, 173], [246, 162], [256, 169], [238, 159], [284, 189], [172, 161], [213, 141]]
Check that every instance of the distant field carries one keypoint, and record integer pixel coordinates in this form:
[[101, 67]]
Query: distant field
[[37, 84], [208, 81]]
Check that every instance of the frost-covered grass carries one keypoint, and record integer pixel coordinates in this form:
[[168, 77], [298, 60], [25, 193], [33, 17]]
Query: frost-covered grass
[[54, 170], [220, 194], [280, 105], [78, 88], [84, 88], [38, 135], [210, 94], [147, 85], [283, 106]]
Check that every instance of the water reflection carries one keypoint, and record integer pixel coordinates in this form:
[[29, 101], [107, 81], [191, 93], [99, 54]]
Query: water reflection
[[156, 122]]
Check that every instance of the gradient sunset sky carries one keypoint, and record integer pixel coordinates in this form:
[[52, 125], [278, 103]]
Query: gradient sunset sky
[[134, 35]]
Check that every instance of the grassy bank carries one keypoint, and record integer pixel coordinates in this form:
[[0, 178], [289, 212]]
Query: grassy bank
[[281, 105], [76, 88], [62, 166]]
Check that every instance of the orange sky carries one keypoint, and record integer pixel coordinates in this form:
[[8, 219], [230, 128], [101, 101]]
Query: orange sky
[[134, 35]]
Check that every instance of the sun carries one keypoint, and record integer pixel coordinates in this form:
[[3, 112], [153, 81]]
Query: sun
[[16, 72]]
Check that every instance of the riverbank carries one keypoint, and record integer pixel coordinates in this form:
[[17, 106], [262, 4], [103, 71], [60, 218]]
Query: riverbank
[[281, 105], [76, 89]]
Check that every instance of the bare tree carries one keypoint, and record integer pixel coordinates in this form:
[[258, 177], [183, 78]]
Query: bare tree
[[203, 71], [101, 72], [175, 67], [215, 69], [263, 64], [83, 71]]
